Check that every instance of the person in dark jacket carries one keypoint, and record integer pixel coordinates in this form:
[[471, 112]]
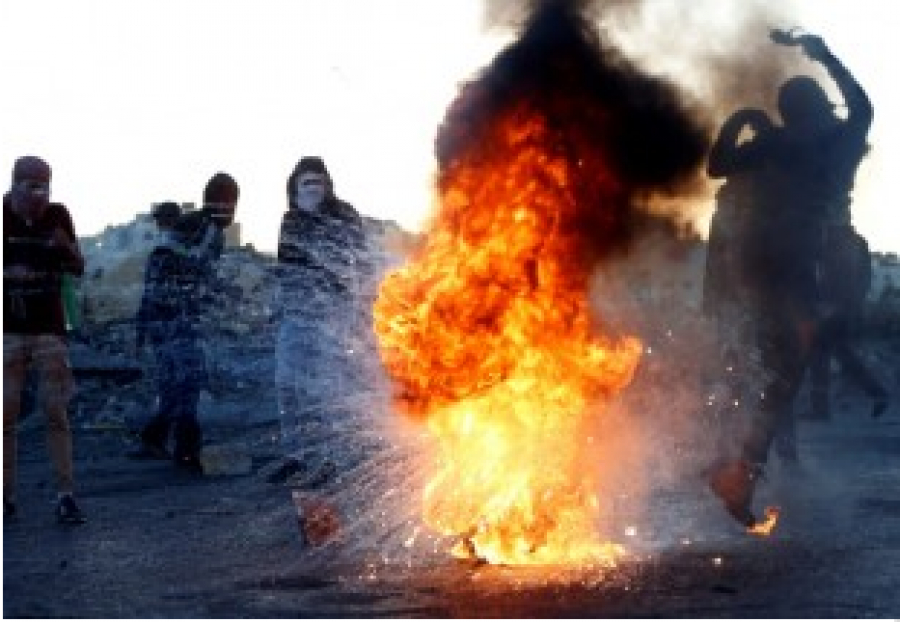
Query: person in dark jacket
[[39, 247], [318, 242], [805, 171], [167, 320]]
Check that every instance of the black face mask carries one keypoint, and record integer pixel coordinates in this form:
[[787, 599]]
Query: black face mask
[[34, 196], [221, 213]]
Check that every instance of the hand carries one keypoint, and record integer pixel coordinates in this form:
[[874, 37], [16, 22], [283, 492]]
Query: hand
[[756, 119], [814, 47]]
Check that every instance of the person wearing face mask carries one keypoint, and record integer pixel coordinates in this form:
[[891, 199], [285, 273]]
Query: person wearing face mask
[[39, 247], [167, 320], [206, 227], [318, 244]]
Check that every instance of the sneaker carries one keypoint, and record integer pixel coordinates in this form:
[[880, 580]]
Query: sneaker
[[68, 512], [148, 451], [285, 471], [734, 482]]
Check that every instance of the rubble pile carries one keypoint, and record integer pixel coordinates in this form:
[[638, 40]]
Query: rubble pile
[[115, 384]]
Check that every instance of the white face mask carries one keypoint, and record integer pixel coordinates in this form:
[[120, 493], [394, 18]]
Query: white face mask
[[309, 191]]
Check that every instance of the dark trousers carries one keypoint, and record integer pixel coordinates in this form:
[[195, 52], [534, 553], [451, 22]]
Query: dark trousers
[[835, 342], [181, 375]]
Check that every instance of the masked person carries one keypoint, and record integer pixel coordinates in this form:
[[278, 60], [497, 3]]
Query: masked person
[[39, 247], [803, 174], [179, 277], [317, 245]]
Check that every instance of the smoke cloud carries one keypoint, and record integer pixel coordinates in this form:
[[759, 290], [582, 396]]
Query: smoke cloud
[[650, 137]]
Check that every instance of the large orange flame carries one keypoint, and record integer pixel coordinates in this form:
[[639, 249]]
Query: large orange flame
[[489, 338]]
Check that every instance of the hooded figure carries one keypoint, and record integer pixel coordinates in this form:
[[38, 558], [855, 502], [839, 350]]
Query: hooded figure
[[204, 230], [312, 207], [179, 280], [318, 252], [40, 250]]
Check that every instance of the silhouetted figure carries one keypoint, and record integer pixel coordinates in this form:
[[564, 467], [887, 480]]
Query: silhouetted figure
[[730, 301], [168, 320], [179, 272], [846, 271], [802, 173]]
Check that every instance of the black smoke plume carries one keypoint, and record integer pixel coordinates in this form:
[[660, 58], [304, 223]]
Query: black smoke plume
[[592, 95]]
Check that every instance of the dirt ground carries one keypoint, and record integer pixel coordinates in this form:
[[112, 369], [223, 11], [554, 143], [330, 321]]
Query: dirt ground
[[159, 544]]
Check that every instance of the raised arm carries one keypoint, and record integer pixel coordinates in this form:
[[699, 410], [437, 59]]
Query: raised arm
[[728, 155], [859, 107]]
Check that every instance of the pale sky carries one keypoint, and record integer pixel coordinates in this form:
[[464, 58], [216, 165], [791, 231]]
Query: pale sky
[[142, 101]]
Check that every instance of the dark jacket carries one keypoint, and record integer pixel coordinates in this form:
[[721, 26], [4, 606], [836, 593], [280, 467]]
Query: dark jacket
[[35, 307], [336, 221], [170, 305]]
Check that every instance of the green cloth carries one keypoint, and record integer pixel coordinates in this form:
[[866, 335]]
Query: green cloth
[[71, 307]]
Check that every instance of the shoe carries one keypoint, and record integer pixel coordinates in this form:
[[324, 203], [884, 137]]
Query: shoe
[[148, 451], [286, 470], [734, 483], [189, 464], [68, 512]]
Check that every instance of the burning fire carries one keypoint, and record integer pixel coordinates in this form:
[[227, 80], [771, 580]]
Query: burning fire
[[766, 526], [487, 332]]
